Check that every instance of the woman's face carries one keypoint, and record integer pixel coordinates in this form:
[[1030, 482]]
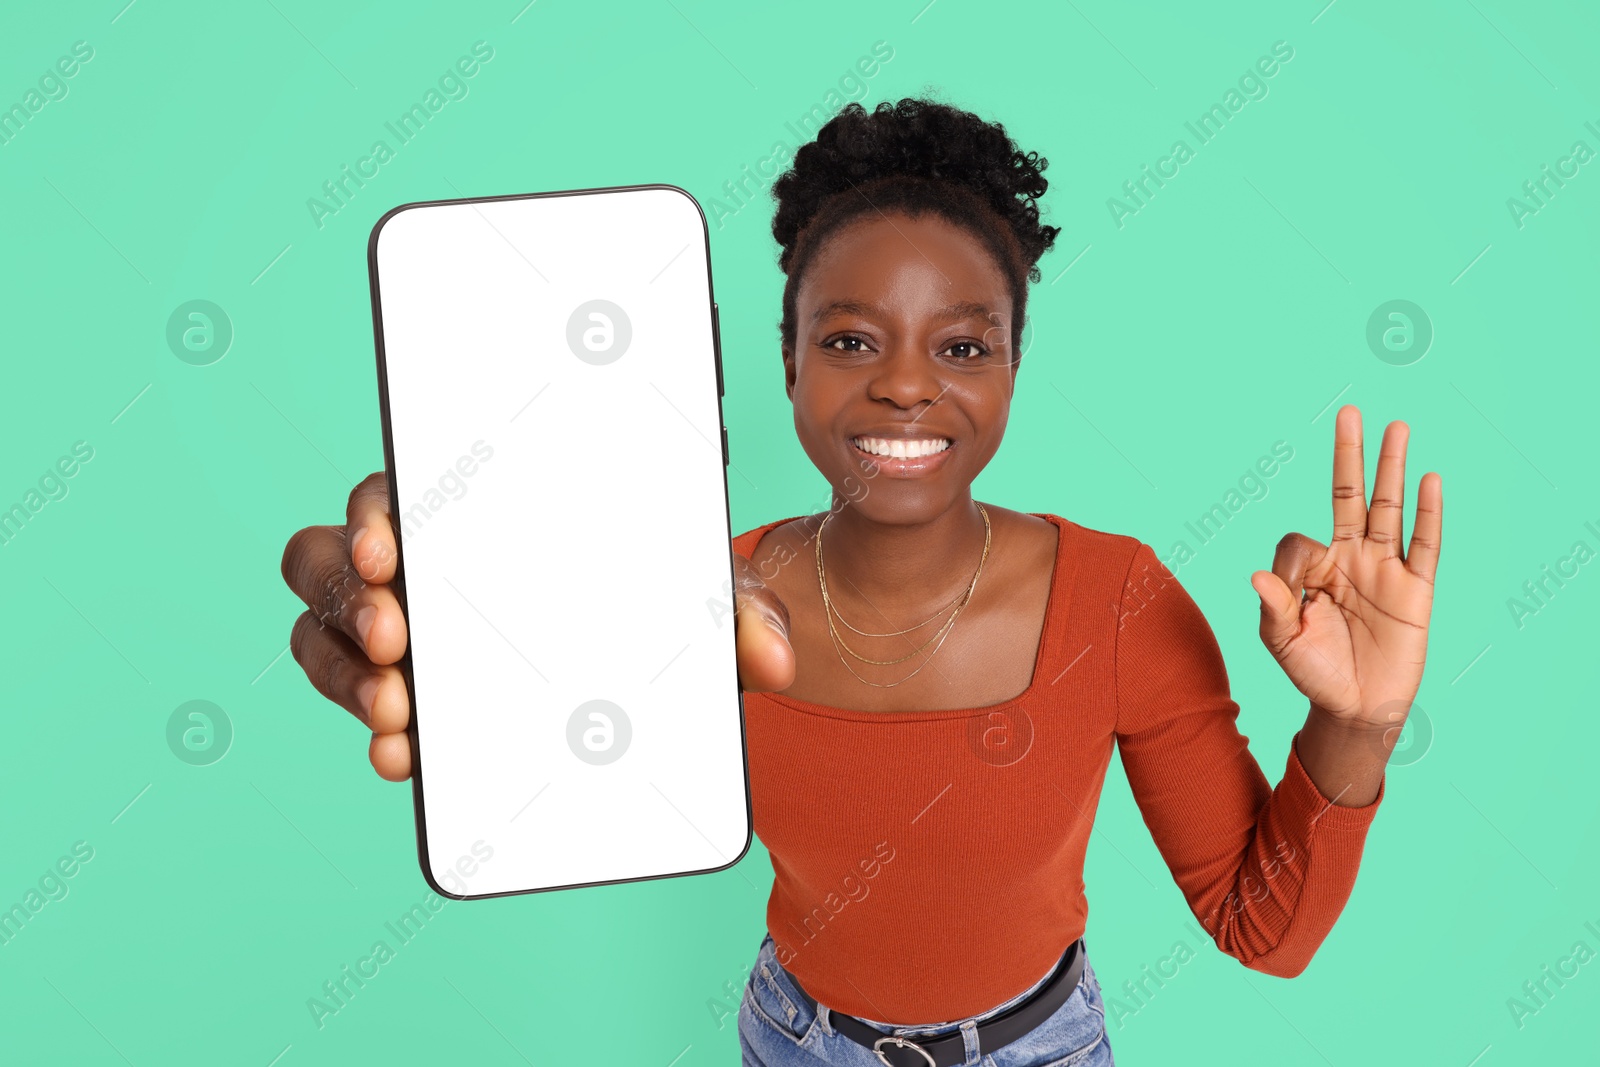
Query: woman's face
[[902, 345]]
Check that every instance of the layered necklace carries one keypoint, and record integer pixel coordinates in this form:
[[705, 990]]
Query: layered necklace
[[939, 636]]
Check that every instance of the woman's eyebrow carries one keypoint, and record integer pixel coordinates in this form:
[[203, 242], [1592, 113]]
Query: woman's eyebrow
[[854, 307], [949, 313], [964, 310]]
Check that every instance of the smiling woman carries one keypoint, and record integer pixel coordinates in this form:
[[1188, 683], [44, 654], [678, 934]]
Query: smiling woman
[[909, 236], [884, 685]]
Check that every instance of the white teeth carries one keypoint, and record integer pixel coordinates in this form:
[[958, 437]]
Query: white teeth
[[900, 447]]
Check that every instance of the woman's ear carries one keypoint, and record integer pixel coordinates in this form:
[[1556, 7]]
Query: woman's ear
[[788, 372]]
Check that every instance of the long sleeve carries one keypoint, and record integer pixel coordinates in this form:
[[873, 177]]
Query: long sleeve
[[1265, 870]]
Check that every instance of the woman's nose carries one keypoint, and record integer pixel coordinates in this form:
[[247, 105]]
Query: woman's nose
[[907, 376]]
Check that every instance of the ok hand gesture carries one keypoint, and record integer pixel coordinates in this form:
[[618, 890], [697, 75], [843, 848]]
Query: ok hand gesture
[[1355, 640]]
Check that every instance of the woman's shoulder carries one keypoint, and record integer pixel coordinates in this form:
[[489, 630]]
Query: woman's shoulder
[[1086, 543], [787, 535], [1109, 542]]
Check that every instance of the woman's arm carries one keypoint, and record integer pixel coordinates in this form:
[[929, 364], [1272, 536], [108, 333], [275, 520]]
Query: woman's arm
[[1266, 870]]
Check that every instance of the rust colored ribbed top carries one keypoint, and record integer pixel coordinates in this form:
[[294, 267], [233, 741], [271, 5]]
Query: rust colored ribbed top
[[929, 865]]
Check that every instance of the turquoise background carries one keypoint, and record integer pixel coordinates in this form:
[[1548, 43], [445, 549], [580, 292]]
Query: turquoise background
[[1229, 313]]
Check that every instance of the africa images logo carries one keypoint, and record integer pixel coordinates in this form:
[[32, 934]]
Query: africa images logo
[[599, 332]]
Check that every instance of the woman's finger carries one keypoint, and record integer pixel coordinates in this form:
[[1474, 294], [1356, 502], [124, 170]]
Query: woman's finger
[[749, 589], [1422, 557], [1293, 560], [761, 629], [317, 566], [1280, 612], [391, 756], [1386, 515], [340, 671], [370, 533], [1349, 476]]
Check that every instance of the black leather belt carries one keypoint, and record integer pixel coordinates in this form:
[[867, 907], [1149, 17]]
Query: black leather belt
[[950, 1050]]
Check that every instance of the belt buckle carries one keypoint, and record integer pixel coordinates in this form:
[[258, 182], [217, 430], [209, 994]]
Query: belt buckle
[[901, 1042]]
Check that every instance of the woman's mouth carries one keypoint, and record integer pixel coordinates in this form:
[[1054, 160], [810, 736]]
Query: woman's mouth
[[905, 457]]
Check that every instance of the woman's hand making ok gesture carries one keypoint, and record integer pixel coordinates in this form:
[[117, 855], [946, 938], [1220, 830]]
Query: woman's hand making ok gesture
[[1355, 640]]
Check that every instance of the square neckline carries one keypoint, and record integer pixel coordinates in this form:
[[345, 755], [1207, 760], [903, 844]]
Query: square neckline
[[1056, 604]]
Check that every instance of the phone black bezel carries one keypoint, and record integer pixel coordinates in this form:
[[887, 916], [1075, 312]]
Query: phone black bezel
[[418, 805]]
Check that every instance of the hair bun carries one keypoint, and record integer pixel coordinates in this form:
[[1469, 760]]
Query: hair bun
[[915, 138]]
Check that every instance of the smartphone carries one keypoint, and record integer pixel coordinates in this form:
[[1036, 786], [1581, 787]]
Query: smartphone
[[550, 385]]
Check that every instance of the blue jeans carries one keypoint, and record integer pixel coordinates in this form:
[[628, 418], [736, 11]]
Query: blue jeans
[[777, 1028]]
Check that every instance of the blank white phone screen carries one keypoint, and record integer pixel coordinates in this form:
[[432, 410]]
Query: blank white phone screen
[[555, 430]]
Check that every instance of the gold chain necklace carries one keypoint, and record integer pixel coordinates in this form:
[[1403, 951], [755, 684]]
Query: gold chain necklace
[[896, 633], [939, 636], [822, 582]]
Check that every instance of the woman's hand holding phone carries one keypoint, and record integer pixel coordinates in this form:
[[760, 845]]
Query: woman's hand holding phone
[[353, 633]]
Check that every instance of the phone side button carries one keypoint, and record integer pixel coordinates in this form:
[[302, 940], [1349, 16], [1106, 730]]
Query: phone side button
[[716, 344], [724, 446]]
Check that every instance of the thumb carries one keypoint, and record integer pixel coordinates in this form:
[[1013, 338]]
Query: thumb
[[1280, 611], [766, 659]]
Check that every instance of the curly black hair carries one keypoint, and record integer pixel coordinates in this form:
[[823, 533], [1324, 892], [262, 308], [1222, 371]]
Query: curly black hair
[[917, 156]]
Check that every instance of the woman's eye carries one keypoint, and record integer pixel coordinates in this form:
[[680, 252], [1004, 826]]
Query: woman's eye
[[974, 350], [963, 351]]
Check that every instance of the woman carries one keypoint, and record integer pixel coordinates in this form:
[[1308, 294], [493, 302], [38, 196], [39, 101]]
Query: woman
[[934, 685]]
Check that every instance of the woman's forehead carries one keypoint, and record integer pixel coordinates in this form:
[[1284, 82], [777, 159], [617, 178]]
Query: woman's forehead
[[926, 262]]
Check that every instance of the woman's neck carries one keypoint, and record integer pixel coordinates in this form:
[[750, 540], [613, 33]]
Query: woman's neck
[[900, 570]]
